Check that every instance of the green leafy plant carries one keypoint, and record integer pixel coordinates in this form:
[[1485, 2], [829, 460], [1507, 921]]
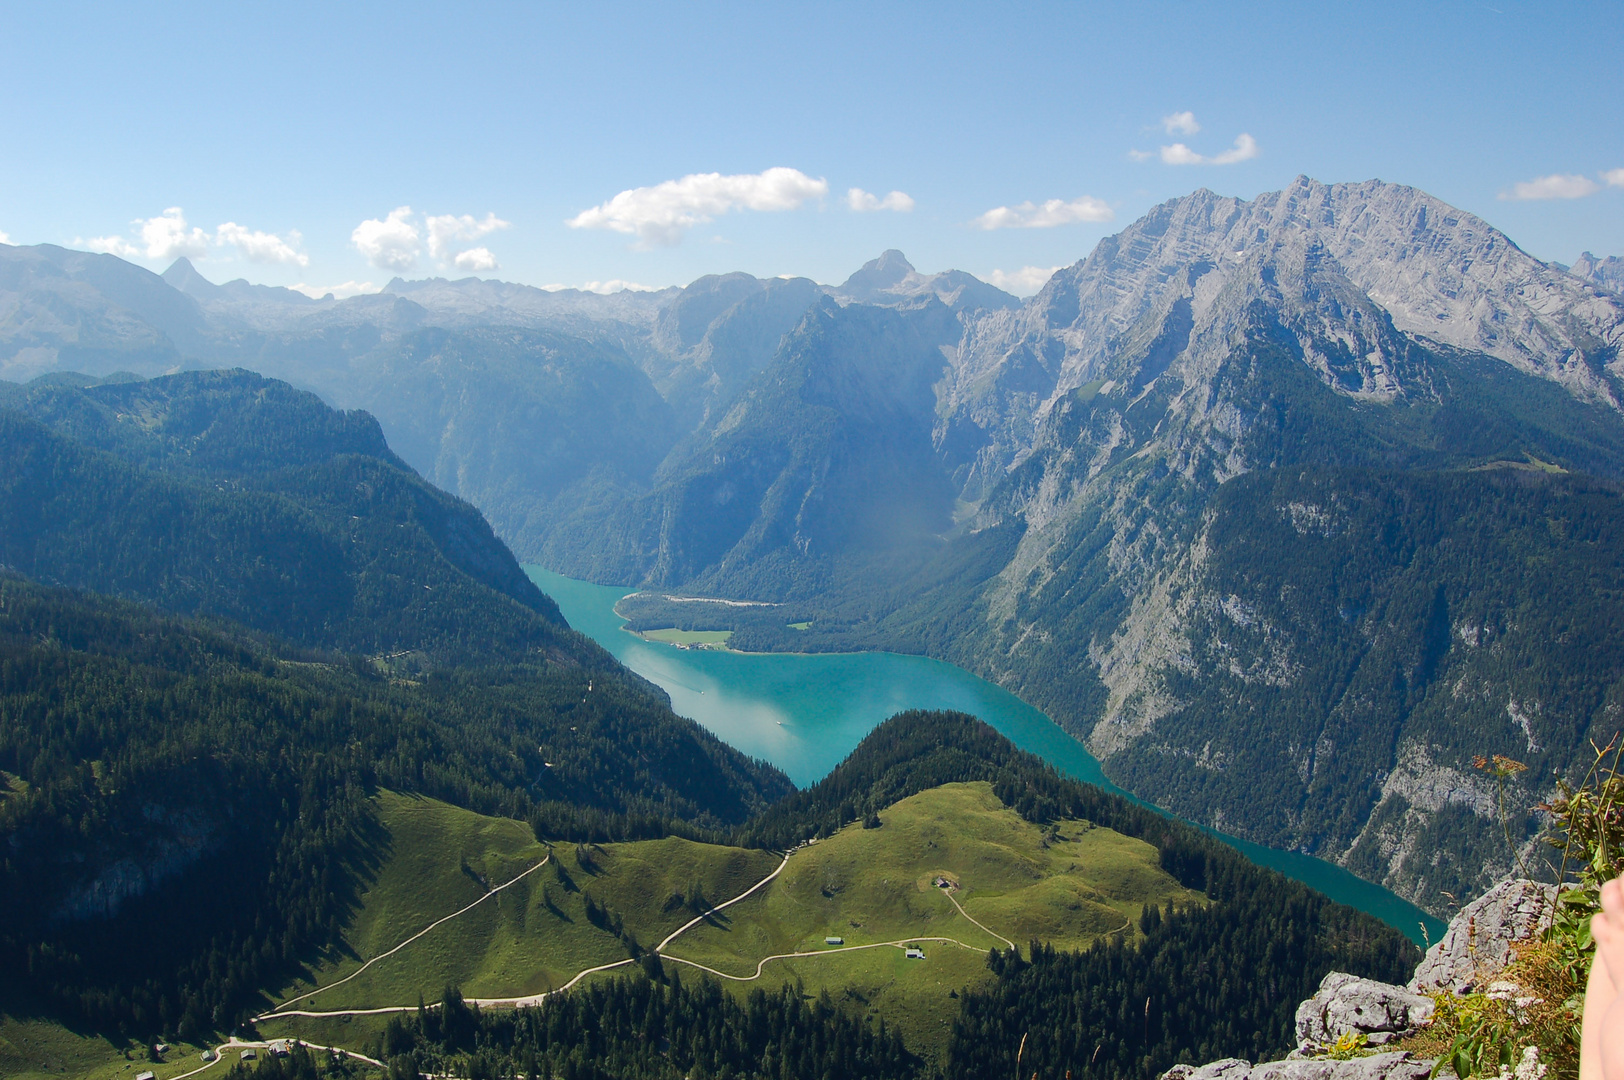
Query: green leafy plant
[[1489, 1034], [1348, 1045]]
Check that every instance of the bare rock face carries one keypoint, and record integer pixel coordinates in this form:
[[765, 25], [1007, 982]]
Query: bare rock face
[[1393, 1066], [1346, 1004], [1479, 941]]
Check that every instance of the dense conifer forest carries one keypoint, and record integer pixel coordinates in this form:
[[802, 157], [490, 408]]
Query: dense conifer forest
[[185, 811]]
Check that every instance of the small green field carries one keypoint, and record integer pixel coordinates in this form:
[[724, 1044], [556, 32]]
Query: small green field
[[673, 636], [800, 626], [35, 1049]]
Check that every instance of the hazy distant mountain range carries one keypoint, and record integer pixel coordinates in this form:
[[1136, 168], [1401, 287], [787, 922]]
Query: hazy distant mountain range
[[1287, 507]]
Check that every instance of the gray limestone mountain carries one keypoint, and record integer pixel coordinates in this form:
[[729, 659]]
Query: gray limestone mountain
[[891, 279], [1289, 495], [71, 310], [1176, 285], [1605, 273], [1266, 496]]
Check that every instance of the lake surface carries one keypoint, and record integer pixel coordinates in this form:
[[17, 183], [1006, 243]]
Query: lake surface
[[806, 712]]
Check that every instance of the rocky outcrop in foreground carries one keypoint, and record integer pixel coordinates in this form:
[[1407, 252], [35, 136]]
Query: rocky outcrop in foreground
[[1393, 1066], [1477, 947], [1348, 1005]]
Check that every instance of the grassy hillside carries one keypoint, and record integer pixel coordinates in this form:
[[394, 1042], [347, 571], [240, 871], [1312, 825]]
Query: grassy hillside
[[187, 816], [1067, 884], [530, 938]]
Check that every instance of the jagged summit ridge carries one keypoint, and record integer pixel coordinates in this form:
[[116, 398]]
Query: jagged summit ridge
[[1437, 272]]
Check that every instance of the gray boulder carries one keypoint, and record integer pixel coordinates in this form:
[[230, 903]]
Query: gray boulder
[[1478, 943], [1223, 1069], [1393, 1066], [1348, 1004]]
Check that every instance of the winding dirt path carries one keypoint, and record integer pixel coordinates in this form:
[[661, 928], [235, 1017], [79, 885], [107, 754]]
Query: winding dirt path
[[658, 950], [240, 1045], [685, 927], [281, 1010], [973, 919], [897, 944]]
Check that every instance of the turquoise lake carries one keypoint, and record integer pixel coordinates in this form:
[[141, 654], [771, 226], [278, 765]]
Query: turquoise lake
[[806, 712]]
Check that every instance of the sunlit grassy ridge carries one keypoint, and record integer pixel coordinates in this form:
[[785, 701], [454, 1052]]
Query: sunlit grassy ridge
[[531, 937], [1067, 884]]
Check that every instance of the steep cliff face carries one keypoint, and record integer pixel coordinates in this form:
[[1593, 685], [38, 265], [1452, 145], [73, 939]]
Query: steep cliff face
[[1213, 631], [1605, 273], [1438, 273]]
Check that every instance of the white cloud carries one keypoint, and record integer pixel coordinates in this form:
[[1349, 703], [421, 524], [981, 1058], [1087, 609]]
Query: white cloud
[[390, 244], [862, 202], [5, 237], [1180, 123], [111, 245], [261, 247], [1023, 282], [340, 292], [615, 285], [167, 236], [475, 260], [1614, 177], [661, 214], [1555, 186], [1030, 215], [1178, 154], [449, 235]]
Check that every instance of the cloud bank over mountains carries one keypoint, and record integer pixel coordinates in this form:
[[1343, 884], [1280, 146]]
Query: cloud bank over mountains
[[170, 236], [1561, 186], [1023, 282], [1045, 215], [395, 242], [661, 215]]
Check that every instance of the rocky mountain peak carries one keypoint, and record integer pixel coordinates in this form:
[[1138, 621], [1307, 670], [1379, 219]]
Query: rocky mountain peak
[[885, 272], [891, 279], [1436, 272], [1605, 273], [183, 276]]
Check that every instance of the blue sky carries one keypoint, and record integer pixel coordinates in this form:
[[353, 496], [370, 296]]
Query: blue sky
[[279, 130]]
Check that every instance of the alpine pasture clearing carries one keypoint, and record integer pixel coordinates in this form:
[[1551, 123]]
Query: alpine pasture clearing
[[1067, 884]]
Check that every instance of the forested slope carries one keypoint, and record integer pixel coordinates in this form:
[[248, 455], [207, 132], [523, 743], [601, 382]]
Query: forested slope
[[227, 495], [185, 811]]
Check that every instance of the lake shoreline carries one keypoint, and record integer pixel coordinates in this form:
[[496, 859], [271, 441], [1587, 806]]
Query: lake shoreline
[[804, 712]]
